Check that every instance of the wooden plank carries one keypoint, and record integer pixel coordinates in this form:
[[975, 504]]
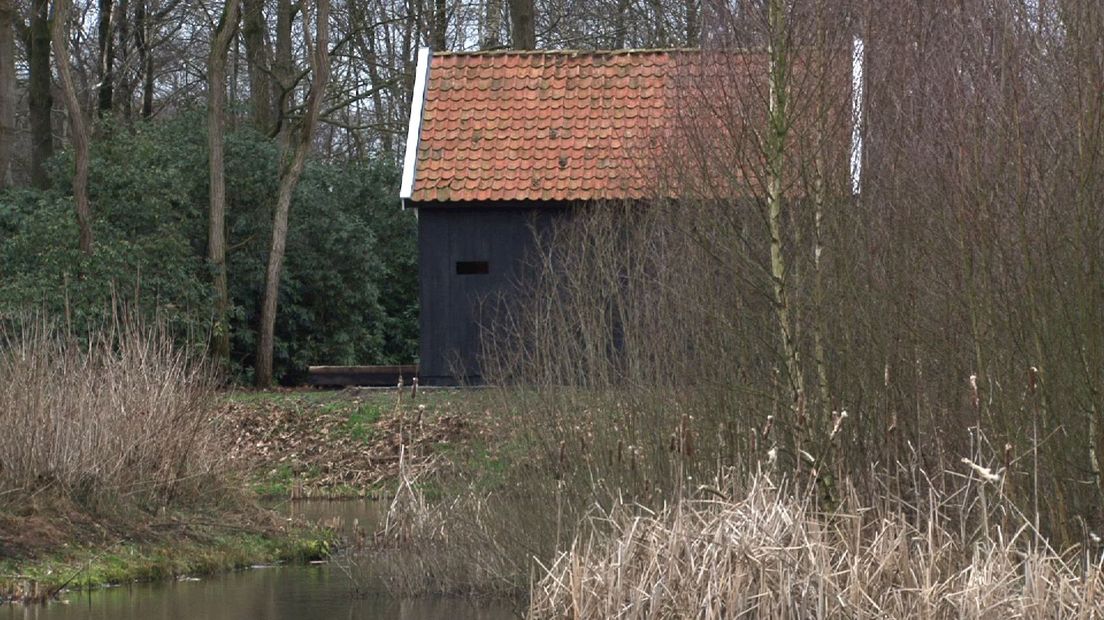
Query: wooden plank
[[373, 376], [406, 369]]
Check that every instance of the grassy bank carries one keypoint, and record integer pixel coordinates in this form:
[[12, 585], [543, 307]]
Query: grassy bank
[[189, 546], [117, 466]]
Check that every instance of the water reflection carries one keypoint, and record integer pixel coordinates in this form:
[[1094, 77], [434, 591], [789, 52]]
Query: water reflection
[[279, 593], [342, 515], [317, 592]]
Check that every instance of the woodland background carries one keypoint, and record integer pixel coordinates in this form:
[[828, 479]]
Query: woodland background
[[232, 168], [146, 147]]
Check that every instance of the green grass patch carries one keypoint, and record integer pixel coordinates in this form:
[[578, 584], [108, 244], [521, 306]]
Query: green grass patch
[[202, 553], [361, 422], [277, 482]]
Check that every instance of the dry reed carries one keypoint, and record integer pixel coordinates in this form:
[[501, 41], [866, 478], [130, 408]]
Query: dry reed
[[768, 554], [120, 420]]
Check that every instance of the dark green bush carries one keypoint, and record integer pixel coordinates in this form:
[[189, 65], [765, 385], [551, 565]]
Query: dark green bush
[[348, 293]]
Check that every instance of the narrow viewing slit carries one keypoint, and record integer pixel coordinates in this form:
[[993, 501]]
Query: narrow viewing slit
[[472, 267]]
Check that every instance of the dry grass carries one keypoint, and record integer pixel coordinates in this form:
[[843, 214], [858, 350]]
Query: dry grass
[[766, 554], [122, 420]]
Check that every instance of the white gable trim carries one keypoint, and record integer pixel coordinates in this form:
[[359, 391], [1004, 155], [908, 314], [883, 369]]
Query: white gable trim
[[858, 68], [414, 131]]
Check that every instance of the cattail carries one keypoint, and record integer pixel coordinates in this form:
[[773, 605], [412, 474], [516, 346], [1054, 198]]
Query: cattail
[[686, 436], [838, 418], [767, 427]]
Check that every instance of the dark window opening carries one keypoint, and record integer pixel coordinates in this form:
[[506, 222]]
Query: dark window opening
[[472, 267]]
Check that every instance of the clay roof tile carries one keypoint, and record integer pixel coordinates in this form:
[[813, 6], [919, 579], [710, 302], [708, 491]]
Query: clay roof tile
[[541, 126]]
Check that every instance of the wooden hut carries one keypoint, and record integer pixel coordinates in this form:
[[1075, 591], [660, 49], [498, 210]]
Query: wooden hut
[[500, 144]]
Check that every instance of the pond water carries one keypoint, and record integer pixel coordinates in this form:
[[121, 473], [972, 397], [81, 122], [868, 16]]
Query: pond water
[[315, 592]]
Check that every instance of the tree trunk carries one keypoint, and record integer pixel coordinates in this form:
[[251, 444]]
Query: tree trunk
[[40, 100], [291, 170], [257, 57], [283, 69], [621, 24], [776, 160], [106, 59], [127, 74], [523, 25], [693, 24], [78, 130], [492, 25], [216, 222], [145, 59], [7, 90], [659, 21], [440, 25]]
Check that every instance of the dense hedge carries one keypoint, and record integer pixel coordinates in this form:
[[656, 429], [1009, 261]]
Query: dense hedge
[[349, 289]]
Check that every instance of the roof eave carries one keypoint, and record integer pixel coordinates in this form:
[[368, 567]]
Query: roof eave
[[414, 130]]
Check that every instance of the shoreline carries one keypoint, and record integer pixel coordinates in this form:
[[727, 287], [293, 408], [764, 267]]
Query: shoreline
[[291, 446], [204, 550]]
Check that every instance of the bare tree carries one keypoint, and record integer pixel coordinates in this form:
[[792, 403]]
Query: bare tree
[[258, 59], [492, 25], [523, 25], [693, 27], [440, 25], [294, 159], [7, 90], [40, 101], [106, 58], [78, 128], [145, 58], [283, 67], [775, 153], [216, 231]]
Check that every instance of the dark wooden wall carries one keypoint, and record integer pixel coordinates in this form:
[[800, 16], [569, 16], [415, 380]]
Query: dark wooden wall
[[455, 306]]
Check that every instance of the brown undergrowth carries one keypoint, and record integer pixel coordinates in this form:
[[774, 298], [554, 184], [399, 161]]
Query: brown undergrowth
[[347, 443], [113, 463], [103, 432]]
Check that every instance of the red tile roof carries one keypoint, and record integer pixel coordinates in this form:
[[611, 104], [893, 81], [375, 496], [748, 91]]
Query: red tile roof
[[547, 126]]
